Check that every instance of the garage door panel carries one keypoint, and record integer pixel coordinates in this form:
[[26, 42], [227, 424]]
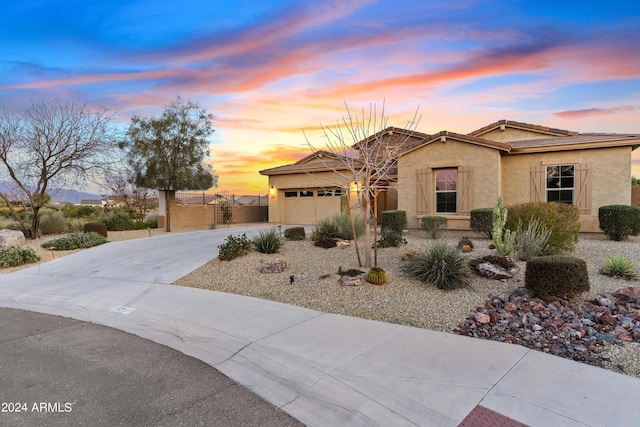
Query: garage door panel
[[309, 210]]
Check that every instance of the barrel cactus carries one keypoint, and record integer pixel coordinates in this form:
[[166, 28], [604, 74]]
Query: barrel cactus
[[376, 276]]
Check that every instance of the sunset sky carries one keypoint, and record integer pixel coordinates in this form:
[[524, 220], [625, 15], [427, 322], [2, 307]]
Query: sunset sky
[[268, 69]]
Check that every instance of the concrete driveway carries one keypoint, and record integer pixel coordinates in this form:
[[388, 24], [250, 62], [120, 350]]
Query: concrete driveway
[[322, 369]]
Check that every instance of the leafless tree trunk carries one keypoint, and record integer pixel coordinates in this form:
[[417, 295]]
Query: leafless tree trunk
[[368, 151]]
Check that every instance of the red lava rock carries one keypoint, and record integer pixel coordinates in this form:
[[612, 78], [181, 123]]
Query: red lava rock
[[510, 307], [607, 319], [632, 292], [482, 318], [576, 332]]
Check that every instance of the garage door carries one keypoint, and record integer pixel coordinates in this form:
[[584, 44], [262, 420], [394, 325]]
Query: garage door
[[306, 207]]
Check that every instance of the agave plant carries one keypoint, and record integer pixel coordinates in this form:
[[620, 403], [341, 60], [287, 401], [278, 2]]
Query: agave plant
[[618, 266]]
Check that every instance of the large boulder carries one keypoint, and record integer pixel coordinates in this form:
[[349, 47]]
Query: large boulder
[[11, 238]]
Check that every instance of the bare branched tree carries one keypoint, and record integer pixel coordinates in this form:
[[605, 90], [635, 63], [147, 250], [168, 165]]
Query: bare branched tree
[[368, 151], [135, 199], [54, 143]]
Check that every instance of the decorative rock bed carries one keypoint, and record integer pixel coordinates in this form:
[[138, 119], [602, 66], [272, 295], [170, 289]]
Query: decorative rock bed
[[577, 332]]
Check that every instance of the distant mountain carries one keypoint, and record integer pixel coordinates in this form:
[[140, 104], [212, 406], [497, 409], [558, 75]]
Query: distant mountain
[[61, 195]]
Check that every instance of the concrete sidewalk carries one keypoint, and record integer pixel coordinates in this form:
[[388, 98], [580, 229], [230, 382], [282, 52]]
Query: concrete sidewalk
[[321, 368]]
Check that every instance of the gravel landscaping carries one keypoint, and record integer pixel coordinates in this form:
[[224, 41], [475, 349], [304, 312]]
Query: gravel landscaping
[[403, 300]]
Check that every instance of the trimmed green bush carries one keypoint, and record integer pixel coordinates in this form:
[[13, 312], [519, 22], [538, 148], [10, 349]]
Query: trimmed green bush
[[234, 247], [394, 220], [618, 266], [96, 227], [15, 256], [141, 225], [75, 241], [120, 221], [440, 265], [390, 238], [557, 276], [482, 221], [267, 241], [561, 219], [435, 226], [619, 221], [295, 233], [53, 223]]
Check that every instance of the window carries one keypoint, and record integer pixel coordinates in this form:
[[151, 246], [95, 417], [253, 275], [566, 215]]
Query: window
[[325, 193], [340, 192], [306, 193], [560, 183], [290, 194], [446, 190]]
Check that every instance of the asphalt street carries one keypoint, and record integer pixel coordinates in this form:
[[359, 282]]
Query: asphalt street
[[58, 371]]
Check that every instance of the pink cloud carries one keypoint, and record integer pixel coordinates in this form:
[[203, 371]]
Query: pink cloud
[[589, 112]]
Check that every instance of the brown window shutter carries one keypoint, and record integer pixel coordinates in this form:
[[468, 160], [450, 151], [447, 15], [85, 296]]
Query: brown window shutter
[[465, 190], [424, 192], [583, 188], [537, 183]]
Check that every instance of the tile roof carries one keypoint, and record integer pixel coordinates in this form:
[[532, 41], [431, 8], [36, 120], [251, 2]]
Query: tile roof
[[613, 139], [525, 126]]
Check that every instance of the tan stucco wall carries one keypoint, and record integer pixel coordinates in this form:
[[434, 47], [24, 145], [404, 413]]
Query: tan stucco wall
[[318, 180], [610, 177], [486, 176], [509, 134]]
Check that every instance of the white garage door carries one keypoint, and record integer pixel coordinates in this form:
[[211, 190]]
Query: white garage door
[[307, 207]]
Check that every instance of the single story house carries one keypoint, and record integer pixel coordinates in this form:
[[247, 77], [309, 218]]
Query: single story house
[[449, 174]]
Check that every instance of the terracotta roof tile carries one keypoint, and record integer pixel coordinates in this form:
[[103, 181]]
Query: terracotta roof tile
[[521, 125]]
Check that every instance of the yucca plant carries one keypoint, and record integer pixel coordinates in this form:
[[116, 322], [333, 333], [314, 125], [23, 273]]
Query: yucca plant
[[532, 240], [376, 276], [267, 241], [441, 265], [618, 266]]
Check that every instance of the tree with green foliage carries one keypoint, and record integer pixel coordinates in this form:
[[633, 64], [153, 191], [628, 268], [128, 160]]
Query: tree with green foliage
[[53, 143], [168, 153]]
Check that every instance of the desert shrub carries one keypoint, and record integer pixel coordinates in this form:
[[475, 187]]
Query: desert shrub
[[15, 256], [11, 226], [435, 226], [315, 235], [76, 241], [295, 233], [394, 220], [618, 266], [390, 238], [326, 242], [234, 247], [339, 226], [96, 227], [440, 265], [531, 241], [482, 221], [557, 276], [75, 211], [267, 241], [561, 219], [53, 223], [619, 221], [120, 221]]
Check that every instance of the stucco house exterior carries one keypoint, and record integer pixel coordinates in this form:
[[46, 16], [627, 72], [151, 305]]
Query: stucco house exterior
[[449, 174]]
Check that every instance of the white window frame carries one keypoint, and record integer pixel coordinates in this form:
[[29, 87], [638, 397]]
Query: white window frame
[[551, 176], [445, 191]]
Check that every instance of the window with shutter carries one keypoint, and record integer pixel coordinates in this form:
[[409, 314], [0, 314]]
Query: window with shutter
[[446, 190]]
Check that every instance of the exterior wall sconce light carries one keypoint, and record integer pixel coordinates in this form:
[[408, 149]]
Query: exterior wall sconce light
[[272, 192]]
